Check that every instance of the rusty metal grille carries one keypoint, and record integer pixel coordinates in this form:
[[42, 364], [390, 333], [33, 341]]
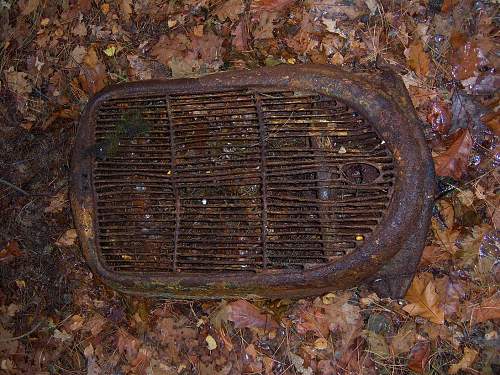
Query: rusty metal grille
[[235, 181]]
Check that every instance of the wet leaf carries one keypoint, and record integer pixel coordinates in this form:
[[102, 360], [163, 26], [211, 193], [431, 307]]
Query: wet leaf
[[418, 59], [453, 162], [440, 117], [424, 300], [466, 361], [419, 356]]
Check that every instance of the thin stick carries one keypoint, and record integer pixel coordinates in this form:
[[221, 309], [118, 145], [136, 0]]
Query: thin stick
[[14, 187], [23, 335]]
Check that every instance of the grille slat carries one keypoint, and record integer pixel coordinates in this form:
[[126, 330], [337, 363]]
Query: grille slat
[[236, 181]]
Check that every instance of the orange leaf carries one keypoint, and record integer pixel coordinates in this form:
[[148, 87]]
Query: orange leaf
[[418, 59], [453, 161], [424, 300]]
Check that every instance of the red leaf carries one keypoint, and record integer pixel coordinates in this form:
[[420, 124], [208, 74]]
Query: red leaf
[[419, 355], [453, 161]]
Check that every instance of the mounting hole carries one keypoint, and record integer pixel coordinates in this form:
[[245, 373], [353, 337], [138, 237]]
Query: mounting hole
[[360, 173]]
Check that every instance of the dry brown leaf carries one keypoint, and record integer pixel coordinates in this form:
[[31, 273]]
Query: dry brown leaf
[[270, 5], [424, 300], [67, 239], [230, 9], [79, 30], [29, 6], [57, 203], [434, 254], [488, 310], [139, 68], [453, 162], [10, 251], [419, 355], [17, 82], [418, 60], [245, 315], [404, 340], [126, 9], [93, 77], [466, 361]]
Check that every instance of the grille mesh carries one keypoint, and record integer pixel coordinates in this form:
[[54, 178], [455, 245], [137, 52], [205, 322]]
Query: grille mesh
[[235, 181]]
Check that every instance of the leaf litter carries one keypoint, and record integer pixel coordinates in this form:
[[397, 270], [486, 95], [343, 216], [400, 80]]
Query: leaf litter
[[55, 317]]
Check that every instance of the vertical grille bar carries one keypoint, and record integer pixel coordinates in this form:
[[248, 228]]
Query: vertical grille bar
[[263, 174], [174, 184]]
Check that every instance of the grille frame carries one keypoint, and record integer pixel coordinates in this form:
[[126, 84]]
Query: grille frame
[[387, 259]]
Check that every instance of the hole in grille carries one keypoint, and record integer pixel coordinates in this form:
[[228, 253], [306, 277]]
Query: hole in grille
[[235, 181]]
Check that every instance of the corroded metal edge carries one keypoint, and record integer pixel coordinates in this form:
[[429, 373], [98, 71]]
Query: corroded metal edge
[[381, 99]]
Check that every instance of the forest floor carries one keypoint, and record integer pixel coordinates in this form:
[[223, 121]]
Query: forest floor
[[56, 318]]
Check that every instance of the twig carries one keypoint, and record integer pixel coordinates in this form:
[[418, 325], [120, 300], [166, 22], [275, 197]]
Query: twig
[[14, 187], [23, 335]]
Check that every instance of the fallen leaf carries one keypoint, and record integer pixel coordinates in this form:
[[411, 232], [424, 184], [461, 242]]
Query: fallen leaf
[[198, 30], [245, 315], [105, 8], [468, 54], [339, 8], [62, 335], [17, 82], [138, 68], [230, 9], [341, 318], [29, 6], [67, 239], [79, 30], [466, 361], [434, 254], [489, 309], [466, 112], [270, 5], [240, 37], [405, 339], [126, 9], [453, 162], [211, 343], [78, 53], [418, 59], [93, 75], [448, 5], [321, 343], [471, 244], [127, 344], [298, 363], [110, 51], [440, 117], [57, 203], [419, 356], [424, 300], [11, 250], [377, 344], [96, 324]]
